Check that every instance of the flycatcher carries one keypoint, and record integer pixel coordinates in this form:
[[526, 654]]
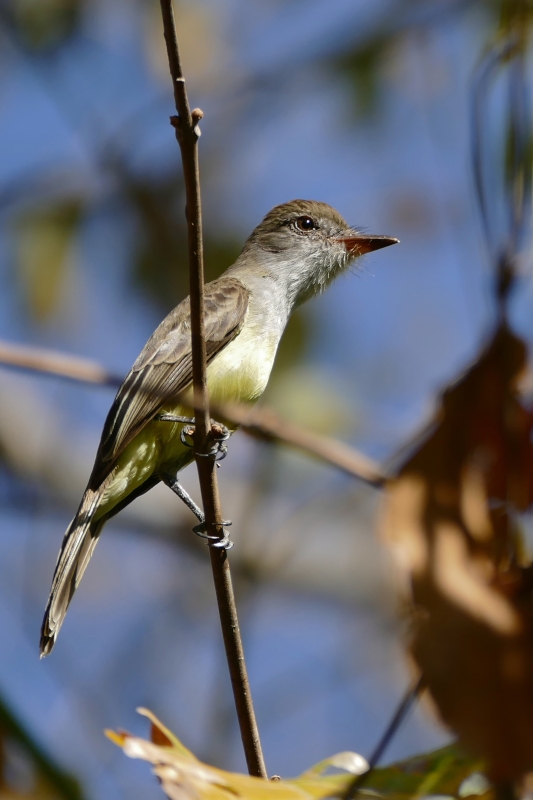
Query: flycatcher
[[296, 251]]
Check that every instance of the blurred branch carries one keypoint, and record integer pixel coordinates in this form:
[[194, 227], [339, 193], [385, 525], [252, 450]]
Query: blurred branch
[[504, 61], [410, 697], [480, 86], [73, 368], [265, 424], [259, 422], [187, 134]]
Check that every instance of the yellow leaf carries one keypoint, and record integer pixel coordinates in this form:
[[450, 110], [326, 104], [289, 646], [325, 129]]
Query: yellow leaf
[[184, 776]]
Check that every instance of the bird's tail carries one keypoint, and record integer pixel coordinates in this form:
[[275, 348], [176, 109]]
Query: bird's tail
[[77, 548]]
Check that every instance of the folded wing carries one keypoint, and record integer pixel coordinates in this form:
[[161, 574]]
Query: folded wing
[[164, 368]]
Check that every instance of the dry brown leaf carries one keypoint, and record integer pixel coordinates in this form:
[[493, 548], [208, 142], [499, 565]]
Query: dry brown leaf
[[450, 521]]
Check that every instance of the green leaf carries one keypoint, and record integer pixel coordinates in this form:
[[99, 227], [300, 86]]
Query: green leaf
[[441, 772]]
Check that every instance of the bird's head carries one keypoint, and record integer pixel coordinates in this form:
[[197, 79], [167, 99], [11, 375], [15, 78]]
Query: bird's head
[[306, 244]]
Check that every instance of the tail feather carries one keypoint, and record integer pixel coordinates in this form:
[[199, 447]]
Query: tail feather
[[76, 551]]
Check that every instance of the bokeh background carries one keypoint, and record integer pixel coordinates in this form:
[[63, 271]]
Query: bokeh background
[[364, 104]]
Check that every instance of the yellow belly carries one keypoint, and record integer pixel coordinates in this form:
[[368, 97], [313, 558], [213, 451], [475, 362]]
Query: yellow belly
[[239, 373]]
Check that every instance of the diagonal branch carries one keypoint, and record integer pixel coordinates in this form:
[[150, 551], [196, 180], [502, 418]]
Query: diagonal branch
[[187, 134], [406, 704], [62, 365], [263, 423]]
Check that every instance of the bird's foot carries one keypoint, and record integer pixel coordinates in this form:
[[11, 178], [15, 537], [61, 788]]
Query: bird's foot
[[223, 542], [187, 430], [218, 435], [200, 530]]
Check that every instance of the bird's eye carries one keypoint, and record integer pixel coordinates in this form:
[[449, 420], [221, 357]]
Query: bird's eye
[[305, 224]]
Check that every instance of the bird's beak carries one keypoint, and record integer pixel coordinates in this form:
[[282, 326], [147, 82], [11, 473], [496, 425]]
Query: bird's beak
[[358, 244]]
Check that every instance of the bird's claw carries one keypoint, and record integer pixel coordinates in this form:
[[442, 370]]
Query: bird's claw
[[187, 429], [221, 453], [219, 435], [223, 541], [219, 432], [187, 433], [218, 450]]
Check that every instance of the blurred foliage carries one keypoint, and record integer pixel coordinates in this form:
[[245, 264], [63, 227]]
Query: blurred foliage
[[202, 48], [361, 68], [452, 514], [451, 520], [43, 243], [161, 260], [44, 24], [515, 16], [361, 62], [26, 771], [447, 772]]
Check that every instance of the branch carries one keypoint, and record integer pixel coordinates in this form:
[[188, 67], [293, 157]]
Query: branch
[[407, 702], [265, 424], [74, 368], [258, 422], [187, 134]]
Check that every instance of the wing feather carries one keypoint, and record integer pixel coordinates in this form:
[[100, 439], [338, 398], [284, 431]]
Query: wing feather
[[164, 368]]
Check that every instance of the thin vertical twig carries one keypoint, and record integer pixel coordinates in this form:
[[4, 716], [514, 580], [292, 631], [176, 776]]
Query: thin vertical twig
[[187, 134], [506, 59], [406, 703]]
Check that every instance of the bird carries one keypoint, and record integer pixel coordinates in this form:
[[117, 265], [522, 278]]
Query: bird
[[293, 254]]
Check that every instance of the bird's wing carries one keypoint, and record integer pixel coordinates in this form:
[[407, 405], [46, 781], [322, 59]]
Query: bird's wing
[[164, 368]]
